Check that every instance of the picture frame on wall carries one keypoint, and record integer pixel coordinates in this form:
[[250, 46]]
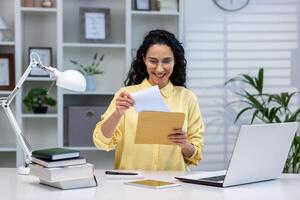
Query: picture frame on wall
[[7, 71], [95, 25], [45, 54], [142, 4]]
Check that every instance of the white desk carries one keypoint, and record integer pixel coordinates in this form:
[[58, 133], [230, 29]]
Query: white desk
[[15, 187]]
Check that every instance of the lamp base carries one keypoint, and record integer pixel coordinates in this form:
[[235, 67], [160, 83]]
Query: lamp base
[[22, 170]]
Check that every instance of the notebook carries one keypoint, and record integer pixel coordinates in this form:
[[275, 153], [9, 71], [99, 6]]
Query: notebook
[[154, 184], [55, 153], [59, 163], [259, 154]]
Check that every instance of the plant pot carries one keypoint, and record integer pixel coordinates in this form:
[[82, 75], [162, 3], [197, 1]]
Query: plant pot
[[90, 84], [40, 110]]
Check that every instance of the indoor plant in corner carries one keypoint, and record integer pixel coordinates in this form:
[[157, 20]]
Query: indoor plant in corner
[[89, 70], [269, 108], [38, 100]]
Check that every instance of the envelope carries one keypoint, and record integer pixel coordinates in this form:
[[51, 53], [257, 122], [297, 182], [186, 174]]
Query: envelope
[[154, 127]]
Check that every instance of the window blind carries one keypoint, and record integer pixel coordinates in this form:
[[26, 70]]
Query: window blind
[[220, 45]]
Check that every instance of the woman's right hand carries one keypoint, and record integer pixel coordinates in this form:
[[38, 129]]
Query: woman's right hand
[[123, 102]]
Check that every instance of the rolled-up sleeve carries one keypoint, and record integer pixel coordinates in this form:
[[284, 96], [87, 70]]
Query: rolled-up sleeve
[[195, 131], [99, 139]]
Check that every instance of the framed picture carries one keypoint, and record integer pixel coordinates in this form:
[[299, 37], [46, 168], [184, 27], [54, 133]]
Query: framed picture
[[142, 5], [7, 72], [95, 25], [45, 54]]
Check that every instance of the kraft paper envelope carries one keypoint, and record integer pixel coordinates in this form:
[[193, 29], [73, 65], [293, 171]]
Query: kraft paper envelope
[[154, 127]]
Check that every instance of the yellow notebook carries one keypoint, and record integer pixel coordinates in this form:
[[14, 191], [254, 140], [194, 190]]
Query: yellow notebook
[[155, 184], [154, 127]]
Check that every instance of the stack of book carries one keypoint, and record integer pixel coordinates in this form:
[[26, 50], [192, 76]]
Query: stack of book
[[62, 168], [168, 6]]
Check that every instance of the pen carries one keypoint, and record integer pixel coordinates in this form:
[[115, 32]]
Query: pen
[[119, 173]]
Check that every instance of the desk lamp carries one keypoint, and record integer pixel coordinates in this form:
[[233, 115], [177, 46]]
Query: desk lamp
[[69, 79]]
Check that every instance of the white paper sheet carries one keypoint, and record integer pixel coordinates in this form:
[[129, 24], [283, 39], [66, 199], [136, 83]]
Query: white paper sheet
[[149, 99]]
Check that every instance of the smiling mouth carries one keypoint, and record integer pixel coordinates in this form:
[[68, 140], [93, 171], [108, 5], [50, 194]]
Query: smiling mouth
[[159, 76]]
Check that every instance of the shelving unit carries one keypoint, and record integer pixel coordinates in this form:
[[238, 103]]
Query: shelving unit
[[40, 79], [43, 10], [59, 28], [39, 115], [8, 140], [155, 13], [7, 43]]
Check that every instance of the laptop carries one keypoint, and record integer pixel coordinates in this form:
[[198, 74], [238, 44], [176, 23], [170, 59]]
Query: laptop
[[259, 154]]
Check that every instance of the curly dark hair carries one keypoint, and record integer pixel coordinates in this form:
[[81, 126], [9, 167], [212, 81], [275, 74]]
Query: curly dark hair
[[138, 71]]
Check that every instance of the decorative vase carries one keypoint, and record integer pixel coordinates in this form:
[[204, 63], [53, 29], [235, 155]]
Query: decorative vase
[[90, 83], [29, 3]]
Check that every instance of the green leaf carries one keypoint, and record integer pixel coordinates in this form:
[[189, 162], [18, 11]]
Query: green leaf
[[295, 116], [249, 80], [92, 68], [253, 116], [297, 139], [260, 80], [273, 113], [241, 112], [254, 102], [232, 80]]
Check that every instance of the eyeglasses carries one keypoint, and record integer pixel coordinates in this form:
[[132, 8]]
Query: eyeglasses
[[153, 63]]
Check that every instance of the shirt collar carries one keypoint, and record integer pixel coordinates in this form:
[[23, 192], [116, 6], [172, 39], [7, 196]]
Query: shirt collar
[[165, 91]]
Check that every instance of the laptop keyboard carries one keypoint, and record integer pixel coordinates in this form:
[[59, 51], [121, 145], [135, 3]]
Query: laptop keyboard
[[214, 178]]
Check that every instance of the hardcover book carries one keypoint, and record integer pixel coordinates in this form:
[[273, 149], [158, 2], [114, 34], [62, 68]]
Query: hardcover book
[[72, 184], [57, 174], [59, 163], [55, 153]]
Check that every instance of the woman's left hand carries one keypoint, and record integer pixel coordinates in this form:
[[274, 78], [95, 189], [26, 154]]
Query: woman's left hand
[[179, 137]]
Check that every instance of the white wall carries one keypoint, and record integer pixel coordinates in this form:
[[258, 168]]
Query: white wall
[[220, 45]]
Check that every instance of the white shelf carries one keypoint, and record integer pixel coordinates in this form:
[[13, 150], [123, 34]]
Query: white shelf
[[37, 9], [89, 93], [31, 115], [40, 79], [83, 148], [8, 149], [154, 13], [127, 29], [5, 92], [96, 45], [7, 43]]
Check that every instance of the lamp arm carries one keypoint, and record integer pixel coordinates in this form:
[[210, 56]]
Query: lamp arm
[[19, 84], [5, 102], [24, 143]]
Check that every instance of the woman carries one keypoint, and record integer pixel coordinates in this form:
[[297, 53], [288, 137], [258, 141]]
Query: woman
[[159, 61]]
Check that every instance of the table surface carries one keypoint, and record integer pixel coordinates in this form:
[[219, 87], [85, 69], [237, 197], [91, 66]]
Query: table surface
[[15, 187]]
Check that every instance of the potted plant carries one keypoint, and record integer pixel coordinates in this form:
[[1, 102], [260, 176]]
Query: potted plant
[[269, 108], [89, 70], [38, 100]]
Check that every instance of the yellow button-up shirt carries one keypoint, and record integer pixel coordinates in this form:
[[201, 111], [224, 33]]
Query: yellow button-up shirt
[[132, 156]]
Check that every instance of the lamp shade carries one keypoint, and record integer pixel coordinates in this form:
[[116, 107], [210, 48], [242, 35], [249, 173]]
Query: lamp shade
[[3, 25], [71, 80]]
